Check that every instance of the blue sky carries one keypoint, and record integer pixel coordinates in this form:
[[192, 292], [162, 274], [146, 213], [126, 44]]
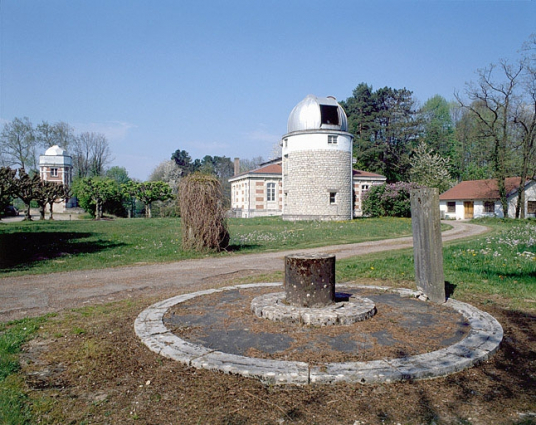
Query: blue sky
[[221, 77]]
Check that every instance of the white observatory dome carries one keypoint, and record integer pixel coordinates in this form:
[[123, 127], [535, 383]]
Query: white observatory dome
[[55, 151], [317, 113]]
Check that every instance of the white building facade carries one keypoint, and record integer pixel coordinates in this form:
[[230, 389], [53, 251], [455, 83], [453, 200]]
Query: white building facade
[[480, 198], [257, 193]]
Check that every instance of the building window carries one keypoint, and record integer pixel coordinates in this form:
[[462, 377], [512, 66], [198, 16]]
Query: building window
[[451, 207], [489, 207], [270, 192], [332, 140], [364, 187], [531, 207], [53, 172], [332, 197]]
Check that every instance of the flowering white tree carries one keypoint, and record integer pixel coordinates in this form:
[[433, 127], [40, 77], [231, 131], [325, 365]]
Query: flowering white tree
[[429, 169]]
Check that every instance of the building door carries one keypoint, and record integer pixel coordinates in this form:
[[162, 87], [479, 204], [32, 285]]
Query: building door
[[468, 209]]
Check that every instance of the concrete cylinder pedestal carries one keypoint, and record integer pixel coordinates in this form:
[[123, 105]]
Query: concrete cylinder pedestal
[[310, 280]]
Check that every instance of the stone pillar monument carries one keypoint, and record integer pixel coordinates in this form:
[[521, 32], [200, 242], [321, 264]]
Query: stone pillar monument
[[427, 243], [310, 280]]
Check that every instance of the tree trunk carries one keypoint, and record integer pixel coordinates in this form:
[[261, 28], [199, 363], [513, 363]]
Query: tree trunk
[[51, 205], [42, 211], [27, 213]]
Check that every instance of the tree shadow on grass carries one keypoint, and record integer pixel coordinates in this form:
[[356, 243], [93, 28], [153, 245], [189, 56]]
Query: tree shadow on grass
[[242, 247], [24, 250]]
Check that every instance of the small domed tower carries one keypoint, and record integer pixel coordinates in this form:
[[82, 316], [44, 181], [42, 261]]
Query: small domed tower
[[317, 162], [57, 166]]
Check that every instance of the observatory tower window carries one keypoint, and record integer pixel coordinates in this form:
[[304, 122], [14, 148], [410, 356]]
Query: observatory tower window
[[332, 140], [332, 197], [329, 114]]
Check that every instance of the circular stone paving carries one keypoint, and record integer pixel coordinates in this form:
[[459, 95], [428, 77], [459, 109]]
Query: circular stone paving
[[214, 311]]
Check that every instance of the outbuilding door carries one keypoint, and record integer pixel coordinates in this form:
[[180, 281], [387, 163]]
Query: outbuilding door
[[468, 210]]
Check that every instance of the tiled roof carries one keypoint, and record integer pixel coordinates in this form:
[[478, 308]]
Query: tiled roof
[[359, 173], [268, 169], [479, 189]]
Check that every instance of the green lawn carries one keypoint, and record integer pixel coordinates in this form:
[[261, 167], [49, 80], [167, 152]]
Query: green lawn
[[55, 246], [500, 263]]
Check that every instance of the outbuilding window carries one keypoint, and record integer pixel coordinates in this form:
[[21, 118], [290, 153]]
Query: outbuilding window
[[451, 207], [270, 192], [531, 207], [489, 207]]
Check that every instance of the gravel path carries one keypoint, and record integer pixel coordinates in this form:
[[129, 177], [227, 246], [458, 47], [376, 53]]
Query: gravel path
[[38, 294]]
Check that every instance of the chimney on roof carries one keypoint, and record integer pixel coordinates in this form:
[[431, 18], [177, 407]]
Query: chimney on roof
[[236, 166]]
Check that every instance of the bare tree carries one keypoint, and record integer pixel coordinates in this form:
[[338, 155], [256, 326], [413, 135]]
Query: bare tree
[[60, 133], [493, 101], [18, 144], [525, 118], [250, 164], [91, 153]]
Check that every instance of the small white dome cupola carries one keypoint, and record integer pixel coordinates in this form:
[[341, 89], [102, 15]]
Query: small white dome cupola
[[317, 113], [55, 151]]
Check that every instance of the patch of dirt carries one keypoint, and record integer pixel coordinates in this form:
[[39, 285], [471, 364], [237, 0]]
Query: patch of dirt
[[88, 366]]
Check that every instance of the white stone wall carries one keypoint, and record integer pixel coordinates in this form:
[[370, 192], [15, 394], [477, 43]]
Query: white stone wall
[[530, 195], [312, 170]]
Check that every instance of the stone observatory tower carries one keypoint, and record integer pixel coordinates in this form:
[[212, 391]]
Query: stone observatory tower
[[317, 162]]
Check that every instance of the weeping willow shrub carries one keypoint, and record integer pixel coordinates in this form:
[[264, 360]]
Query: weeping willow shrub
[[201, 203]]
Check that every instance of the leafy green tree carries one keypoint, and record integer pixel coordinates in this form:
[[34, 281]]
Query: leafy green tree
[[130, 191], [94, 192], [150, 192], [47, 193], [388, 200], [183, 161], [119, 174], [7, 186], [26, 188], [429, 169], [384, 124], [472, 160], [438, 128], [18, 144]]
